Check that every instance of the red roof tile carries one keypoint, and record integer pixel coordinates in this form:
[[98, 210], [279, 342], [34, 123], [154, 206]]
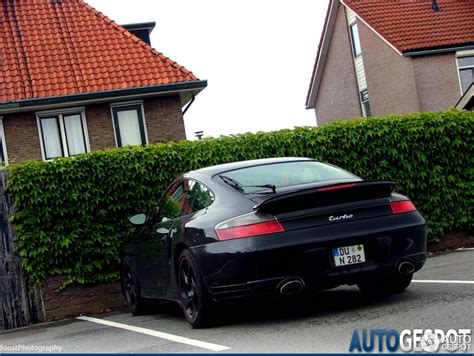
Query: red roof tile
[[61, 47], [411, 25]]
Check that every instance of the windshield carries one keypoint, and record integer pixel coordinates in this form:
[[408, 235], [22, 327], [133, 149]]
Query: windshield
[[286, 174]]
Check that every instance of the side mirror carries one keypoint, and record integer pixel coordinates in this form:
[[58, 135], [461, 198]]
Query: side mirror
[[138, 219]]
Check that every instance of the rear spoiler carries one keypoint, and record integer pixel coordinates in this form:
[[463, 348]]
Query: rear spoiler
[[330, 194]]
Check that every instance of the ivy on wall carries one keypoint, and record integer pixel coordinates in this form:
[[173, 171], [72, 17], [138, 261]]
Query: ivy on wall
[[70, 213]]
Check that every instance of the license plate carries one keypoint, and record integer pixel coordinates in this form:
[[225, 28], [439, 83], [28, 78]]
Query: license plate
[[349, 255]]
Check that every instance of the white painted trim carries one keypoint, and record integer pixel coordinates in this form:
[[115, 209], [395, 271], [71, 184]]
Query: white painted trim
[[60, 111], [459, 75], [113, 125], [442, 281], [4, 144], [86, 131], [38, 124], [324, 48], [462, 54], [159, 334], [62, 132], [128, 103], [144, 124], [465, 53], [373, 30], [60, 114], [465, 98]]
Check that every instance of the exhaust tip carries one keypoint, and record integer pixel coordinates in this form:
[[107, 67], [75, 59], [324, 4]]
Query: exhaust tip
[[406, 267], [291, 286]]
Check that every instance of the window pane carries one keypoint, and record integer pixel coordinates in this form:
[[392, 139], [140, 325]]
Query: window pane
[[51, 138], [288, 174], [200, 197], [355, 40], [467, 78], [466, 61], [173, 201], [129, 127], [74, 134], [366, 108]]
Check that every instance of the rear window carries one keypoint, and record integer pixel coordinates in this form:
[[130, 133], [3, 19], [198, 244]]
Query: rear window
[[287, 174]]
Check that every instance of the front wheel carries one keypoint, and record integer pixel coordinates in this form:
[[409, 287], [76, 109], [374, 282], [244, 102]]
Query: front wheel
[[389, 284], [195, 301]]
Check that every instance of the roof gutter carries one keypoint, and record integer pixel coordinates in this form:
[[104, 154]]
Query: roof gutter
[[437, 51], [103, 96]]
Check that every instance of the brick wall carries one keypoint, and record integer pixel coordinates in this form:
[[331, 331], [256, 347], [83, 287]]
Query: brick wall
[[390, 77], [77, 299], [164, 119], [338, 96], [437, 81], [21, 137], [163, 116]]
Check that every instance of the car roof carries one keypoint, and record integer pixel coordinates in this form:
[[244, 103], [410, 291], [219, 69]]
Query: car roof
[[220, 168]]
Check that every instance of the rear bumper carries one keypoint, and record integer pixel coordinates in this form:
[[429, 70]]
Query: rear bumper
[[248, 267]]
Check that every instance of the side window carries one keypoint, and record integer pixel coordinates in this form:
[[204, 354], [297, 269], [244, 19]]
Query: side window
[[185, 197], [170, 206], [200, 197]]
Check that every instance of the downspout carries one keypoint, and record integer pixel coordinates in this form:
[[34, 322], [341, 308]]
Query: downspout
[[189, 105]]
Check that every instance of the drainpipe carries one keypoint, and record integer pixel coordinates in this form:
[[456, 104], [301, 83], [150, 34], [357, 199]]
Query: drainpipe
[[188, 106]]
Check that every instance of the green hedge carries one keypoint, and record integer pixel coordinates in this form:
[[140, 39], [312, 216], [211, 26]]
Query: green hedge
[[71, 213]]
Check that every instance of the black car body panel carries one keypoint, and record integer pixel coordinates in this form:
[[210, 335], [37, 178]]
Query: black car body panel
[[258, 265]]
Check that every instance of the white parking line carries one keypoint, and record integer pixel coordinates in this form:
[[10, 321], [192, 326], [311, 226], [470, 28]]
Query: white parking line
[[162, 335], [441, 281]]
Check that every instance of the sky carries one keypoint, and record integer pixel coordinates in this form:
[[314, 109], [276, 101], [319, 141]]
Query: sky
[[257, 56]]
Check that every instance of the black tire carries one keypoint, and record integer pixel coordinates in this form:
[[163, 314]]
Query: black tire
[[131, 290], [390, 284], [195, 301]]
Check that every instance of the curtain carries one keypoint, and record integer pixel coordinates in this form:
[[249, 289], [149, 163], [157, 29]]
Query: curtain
[[129, 128], [74, 134], [51, 137]]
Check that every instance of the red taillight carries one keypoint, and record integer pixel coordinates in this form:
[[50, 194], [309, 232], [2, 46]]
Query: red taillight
[[238, 232], [403, 206], [335, 187], [248, 225]]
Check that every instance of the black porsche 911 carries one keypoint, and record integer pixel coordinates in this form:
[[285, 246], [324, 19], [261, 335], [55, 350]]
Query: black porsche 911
[[268, 227]]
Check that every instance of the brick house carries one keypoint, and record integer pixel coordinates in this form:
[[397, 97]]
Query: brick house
[[379, 57], [74, 81]]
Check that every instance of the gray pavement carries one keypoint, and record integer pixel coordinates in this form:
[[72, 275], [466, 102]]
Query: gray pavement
[[321, 323]]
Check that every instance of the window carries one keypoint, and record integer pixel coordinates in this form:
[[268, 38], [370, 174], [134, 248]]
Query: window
[[466, 72], [364, 99], [200, 197], [62, 134], [129, 124], [185, 197], [287, 174], [355, 40]]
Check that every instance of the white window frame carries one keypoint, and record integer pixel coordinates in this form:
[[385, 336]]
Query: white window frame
[[128, 103], [462, 54], [353, 41], [364, 110], [62, 132], [4, 144]]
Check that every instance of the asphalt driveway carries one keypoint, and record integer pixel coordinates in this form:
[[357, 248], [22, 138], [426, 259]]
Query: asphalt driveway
[[441, 298]]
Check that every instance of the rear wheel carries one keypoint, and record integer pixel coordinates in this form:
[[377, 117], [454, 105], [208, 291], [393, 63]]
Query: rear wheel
[[131, 289], [195, 301], [389, 284]]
